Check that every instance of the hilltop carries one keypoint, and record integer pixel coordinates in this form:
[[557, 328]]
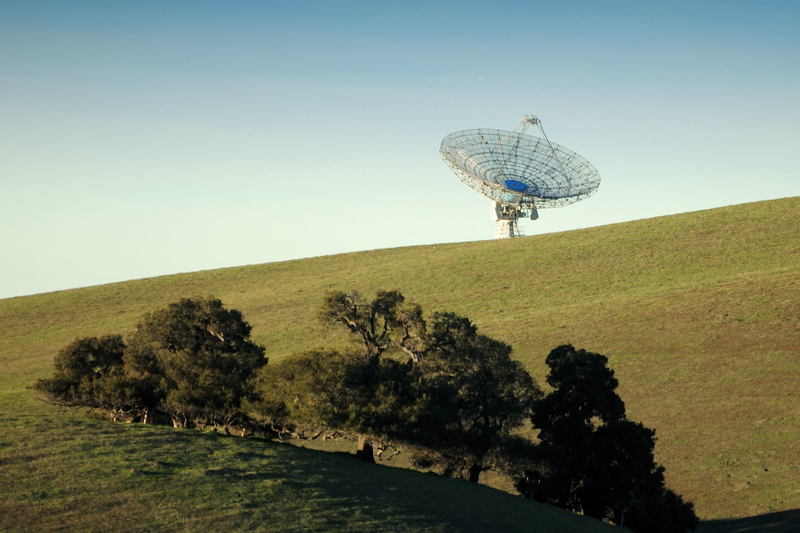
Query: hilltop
[[698, 314]]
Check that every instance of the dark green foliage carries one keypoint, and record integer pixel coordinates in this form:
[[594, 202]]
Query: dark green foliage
[[90, 357], [449, 332], [459, 397], [384, 323], [371, 321], [336, 392], [471, 396], [83, 367], [662, 511], [620, 469], [583, 391], [194, 360], [583, 397], [591, 459], [307, 391]]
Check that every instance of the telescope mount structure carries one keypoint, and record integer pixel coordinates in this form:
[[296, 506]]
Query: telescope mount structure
[[520, 173]]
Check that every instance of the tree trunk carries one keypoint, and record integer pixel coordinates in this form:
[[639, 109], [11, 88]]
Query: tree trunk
[[474, 472], [364, 450]]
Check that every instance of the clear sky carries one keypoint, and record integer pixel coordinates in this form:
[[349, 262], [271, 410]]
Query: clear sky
[[147, 138]]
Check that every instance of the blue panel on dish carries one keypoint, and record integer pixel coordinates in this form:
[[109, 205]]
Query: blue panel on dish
[[516, 186]]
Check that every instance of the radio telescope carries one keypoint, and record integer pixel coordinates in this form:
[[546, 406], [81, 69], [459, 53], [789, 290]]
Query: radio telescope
[[520, 173]]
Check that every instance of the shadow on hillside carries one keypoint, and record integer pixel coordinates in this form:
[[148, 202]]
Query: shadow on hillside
[[398, 499], [782, 522]]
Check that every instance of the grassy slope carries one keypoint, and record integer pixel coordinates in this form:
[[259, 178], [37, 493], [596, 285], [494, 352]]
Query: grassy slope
[[63, 470], [698, 314]]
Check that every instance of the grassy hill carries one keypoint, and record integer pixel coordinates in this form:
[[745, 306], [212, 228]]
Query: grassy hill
[[63, 470], [698, 313]]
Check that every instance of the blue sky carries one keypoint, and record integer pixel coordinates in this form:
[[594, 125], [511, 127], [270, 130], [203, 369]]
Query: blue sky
[[150, 138]]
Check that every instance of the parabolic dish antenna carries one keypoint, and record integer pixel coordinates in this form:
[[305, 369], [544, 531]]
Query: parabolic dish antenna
[[520, 173]]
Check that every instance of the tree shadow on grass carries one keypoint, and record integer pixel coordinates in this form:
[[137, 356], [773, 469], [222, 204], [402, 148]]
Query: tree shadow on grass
[[354, 495], [181, 479], [781, 522]]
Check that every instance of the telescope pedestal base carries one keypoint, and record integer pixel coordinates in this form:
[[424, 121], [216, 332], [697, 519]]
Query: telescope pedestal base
[[507, 229]]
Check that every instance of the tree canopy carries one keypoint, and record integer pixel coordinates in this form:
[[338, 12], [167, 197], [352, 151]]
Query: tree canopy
[[192, 361], [456, 398], [591, 458], [197, 358], [471, 396], [84, 368]]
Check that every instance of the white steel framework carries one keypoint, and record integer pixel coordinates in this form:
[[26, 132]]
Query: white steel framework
[[520, 173]]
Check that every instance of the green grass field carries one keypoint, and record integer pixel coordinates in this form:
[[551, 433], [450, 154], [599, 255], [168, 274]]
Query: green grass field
[[698, 313], [64, 470]]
